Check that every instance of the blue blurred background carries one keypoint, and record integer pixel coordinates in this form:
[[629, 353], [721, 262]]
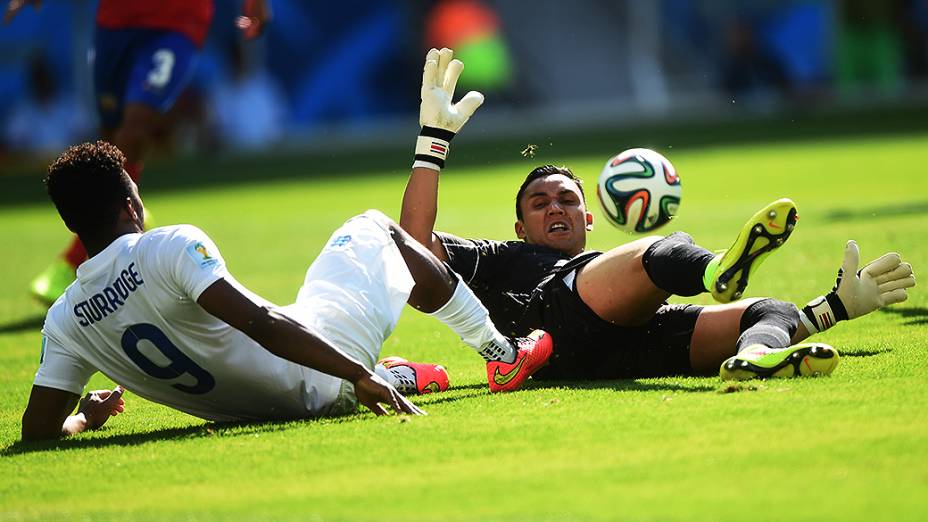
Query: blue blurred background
[[350, 70]]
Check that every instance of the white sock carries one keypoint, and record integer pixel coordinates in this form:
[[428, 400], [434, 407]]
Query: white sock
[[401, 377], [467, 316]]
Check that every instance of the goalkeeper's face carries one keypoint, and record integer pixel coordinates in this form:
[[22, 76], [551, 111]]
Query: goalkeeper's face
[[554, 214]]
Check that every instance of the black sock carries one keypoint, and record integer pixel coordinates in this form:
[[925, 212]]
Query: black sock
[[676, 264], [769, 322]]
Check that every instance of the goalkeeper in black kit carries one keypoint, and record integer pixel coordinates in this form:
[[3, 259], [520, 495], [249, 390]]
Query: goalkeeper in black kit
[[607, 312]]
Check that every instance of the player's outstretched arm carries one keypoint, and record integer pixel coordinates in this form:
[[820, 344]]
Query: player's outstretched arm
[[47, 415], [441, 120], [290, 340], [856, 293]]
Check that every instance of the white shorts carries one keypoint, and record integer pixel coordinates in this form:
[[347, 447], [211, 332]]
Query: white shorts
[[353, 295]]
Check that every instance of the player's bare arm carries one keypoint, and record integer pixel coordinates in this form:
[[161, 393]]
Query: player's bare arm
[[420, 208], [48, 414], [441, 120], [290, 340]]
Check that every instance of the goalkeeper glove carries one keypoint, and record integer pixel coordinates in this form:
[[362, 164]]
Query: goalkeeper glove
[[859, 292], [440, 119]]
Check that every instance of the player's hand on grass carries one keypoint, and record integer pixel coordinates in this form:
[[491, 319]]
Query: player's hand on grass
[[99, 405], [15, 6], [372, 391], [439, 78], [879, 283]]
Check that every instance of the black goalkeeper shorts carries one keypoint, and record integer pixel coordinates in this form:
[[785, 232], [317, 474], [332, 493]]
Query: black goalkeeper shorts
[[588, 347]]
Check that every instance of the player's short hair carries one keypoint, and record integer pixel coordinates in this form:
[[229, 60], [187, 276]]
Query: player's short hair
[[89, 186], [540, 172]]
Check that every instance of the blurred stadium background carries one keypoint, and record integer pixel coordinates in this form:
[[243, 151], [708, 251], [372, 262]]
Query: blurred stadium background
[[343, 76]]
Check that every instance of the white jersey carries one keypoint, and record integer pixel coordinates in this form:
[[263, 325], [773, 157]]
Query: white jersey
[[132, 314]]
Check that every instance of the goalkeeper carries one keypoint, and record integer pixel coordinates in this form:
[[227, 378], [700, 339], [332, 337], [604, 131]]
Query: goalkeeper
[[610, 307]]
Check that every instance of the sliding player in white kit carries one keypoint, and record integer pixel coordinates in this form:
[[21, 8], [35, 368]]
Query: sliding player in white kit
[[159, 313]]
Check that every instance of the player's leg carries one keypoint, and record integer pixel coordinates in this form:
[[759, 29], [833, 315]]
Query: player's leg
[[433, 287], [763, 349], [756, 338], [439, 292], [617, 287], [721, 329], [627, 284], [162, 64], [353, 294], [727, 275], [133, 136], [434, 282]]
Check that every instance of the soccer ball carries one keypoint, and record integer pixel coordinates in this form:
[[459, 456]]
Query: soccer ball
[[639, 190]]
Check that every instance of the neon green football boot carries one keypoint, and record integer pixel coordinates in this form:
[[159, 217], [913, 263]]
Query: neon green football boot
[[760, 362], [726, 277], [52, 282]]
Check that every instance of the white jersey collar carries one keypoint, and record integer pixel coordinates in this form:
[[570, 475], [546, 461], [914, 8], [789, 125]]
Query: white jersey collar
[[98, 262]]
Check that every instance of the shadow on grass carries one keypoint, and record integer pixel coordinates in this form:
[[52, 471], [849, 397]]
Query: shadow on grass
[[903, 209], [215, 429], [133, 439], [473, 391], [614, 384], [915, 315], [621, 385], [22, 325], [864, 353], [209, 429]]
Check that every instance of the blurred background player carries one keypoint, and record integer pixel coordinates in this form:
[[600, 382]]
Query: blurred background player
[[144, 54]]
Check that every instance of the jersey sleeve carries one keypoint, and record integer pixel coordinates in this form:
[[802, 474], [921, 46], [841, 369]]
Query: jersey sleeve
[[194, 260], [474, 259], [59, 368]]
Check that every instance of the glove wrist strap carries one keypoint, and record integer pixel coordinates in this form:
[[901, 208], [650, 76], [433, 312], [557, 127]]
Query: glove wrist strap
[[432, 148], [823, 312]]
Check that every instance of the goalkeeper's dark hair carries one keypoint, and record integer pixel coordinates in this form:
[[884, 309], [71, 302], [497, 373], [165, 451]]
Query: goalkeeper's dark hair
[[540, 172], [89, 187]]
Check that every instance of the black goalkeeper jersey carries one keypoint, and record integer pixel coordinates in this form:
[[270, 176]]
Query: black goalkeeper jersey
[[521, 286], [503, 275]]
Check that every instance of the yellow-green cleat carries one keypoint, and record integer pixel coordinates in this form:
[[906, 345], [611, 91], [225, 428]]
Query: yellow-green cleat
[[726, 277], [52, 282], [761, 362]]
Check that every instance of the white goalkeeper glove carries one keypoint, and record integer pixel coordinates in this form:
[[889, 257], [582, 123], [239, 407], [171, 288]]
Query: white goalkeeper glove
[[858, 292], [441, 119]]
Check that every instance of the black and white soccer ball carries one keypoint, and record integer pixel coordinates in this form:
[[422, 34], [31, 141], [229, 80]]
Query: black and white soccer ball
[[639, 190]]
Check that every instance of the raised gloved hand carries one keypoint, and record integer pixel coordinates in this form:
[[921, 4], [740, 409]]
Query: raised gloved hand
[[858, 292], [440, 118]]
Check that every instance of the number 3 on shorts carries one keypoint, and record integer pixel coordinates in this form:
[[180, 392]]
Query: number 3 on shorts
[[180, 363], [164, 67]]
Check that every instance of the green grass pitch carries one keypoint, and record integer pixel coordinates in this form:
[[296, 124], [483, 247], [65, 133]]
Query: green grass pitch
[[850, 447]]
